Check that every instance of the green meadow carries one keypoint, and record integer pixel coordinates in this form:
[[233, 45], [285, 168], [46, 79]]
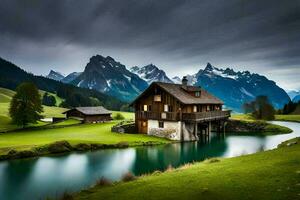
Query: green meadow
[[272, 175]]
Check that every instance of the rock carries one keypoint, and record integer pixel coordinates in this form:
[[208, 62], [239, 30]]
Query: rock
[[25, 154], [82, 147], [59, 147], [124, 128], [97, 146], [12, 152], [122, 145]]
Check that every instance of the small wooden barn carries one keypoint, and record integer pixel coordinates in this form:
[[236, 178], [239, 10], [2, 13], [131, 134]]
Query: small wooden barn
[[89, 114]]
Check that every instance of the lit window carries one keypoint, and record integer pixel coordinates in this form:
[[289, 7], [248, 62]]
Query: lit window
[[157, 98], [161, 124], [208, 108], [144, 123], [145, 108], [195, 108], [166, 108], [164, 115]]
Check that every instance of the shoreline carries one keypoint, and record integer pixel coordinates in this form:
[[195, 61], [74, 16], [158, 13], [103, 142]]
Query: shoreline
[[64, 146], [103, 190]]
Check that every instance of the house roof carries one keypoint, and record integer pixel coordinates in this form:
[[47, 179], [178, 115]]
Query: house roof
[[181, 93], [99, 110]]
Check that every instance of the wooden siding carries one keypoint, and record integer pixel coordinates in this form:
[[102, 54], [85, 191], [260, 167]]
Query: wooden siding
[[88, 118]]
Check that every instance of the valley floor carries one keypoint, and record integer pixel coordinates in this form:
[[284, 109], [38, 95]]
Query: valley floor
[[269, 175]]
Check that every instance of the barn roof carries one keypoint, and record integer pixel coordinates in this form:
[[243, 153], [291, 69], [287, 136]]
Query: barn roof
[[181, 93], [98, 110]]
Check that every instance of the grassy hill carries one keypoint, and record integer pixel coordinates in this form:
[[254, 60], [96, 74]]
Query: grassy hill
[[57, 98], [266, 175], [5, 121], [5, 95]]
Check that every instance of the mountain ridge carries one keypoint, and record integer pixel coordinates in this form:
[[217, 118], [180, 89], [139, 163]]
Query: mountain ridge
[[151, 73], [109, 76]]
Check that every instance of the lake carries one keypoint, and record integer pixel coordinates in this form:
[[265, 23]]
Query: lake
[[49, 176]]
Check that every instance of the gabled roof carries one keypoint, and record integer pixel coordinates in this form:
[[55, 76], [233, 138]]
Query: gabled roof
[[181, 93], [99, 110]]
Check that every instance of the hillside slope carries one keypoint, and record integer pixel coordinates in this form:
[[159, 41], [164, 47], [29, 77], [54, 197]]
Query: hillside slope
[[11, 76]]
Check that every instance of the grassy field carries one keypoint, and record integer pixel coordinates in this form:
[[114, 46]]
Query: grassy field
[[86, 133], [267, 175], [291, 118], [243, 117], [5, 121], [69, 130]]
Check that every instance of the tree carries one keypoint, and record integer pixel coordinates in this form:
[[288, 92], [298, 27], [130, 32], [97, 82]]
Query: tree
[[260, 108], [26, 105], [118, 116], [48, 100]]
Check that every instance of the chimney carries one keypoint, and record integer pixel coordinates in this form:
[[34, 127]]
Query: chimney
[[184, 81]]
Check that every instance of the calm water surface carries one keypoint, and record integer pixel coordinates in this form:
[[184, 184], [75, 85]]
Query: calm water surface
[[50, 176]]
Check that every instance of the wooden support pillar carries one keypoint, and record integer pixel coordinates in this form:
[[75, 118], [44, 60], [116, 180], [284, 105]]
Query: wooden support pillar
[[196, 131]]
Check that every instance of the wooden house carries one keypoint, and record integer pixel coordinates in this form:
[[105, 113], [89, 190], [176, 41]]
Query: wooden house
[[178, 111], [89, 114]]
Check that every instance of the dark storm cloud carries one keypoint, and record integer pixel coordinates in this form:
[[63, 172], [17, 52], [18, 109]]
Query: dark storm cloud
[[260, 35]]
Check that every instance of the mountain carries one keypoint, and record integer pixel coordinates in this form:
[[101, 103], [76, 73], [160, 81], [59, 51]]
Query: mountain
[[176, 80], [293, 93], [150, 73], [236, 88], [296, 98], [55, 75], [106, 75], [71, 77], [11, 76]]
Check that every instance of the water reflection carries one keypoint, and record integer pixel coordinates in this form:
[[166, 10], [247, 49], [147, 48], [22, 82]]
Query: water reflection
[[50, 176]]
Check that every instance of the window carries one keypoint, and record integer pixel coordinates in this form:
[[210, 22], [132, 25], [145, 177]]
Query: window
[[157, 98], [144, 124], [166, 108], [207, 108], [145, 108], [164, 115], [149, 108], [161, 124], [195, 109], [197, 93]]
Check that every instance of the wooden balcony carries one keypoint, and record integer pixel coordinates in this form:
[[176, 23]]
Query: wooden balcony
[[176, 116], [206, 116]]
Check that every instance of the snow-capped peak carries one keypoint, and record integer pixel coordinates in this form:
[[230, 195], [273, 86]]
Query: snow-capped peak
[[150, 73]]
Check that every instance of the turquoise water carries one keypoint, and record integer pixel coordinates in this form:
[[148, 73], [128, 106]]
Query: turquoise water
[[43, 177]]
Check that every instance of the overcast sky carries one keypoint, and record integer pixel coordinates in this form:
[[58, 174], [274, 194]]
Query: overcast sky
[[179, 36]]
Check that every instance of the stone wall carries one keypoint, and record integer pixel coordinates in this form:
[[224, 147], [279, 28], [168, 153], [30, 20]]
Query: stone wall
[[123, 127], [171, 130], [188, 132]]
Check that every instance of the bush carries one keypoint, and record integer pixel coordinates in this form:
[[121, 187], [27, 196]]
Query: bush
[[48, 100], [103, 182], [118, 116], [128, 177]]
